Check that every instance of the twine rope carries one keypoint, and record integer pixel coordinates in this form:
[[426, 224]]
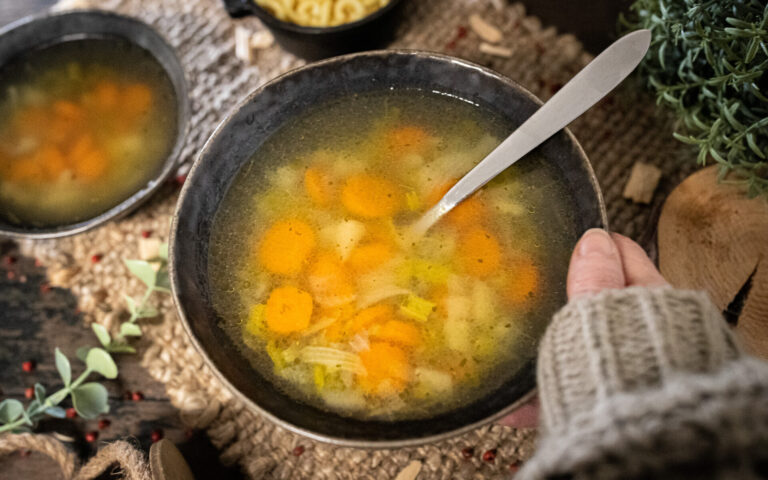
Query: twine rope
[[130, 462]]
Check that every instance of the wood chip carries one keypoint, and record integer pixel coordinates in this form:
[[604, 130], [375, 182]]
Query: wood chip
[[262, 39], [495, 50], [149, 248], [243, 49], [642, 183], [484, 30], [410, 472], [61, 277]]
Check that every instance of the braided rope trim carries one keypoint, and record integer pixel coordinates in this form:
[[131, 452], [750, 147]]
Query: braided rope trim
[[130, 462]]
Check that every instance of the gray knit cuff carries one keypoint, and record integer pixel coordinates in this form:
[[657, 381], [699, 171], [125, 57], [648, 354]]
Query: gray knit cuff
[[620, 341]]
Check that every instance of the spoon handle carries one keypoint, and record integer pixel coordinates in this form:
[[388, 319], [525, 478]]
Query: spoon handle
[[591, 84]]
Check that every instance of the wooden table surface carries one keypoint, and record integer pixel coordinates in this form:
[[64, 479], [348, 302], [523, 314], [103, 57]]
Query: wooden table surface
[[35, 322]]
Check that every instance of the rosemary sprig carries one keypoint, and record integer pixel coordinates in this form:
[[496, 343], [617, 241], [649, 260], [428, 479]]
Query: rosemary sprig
[[708, 62]]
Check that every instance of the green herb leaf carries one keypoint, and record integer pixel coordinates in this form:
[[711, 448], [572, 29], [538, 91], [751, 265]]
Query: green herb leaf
[[31, 407], [163, 281], [147, 312], [82, 352], [143, 270], [130, 330], [131, 303], [101, 362], [101, 333], [10, 410], [121, 348], [56, 412], [90, 399], [63, 366], [39, 393], [57, 397], [163, 252]]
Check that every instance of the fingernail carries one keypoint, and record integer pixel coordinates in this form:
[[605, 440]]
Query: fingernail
[[596, 241]]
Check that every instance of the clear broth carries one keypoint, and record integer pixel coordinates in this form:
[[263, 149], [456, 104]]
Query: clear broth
[[84, 124], [525, 209]]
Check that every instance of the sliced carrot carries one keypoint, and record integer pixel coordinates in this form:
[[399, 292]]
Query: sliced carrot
[[479, 252], [368, 196], [286, 246], [523, 282], [91, 166], [107, 95], [399, 332], [136, 99], [319, 186], [337, 331], [369, 256], [407, 139], [52, 162], [289, 310], [470, 212], [329, 281], [68, 110], [387, 369], [366, 317]]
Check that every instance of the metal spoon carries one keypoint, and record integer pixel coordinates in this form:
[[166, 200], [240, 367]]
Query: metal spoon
[[591, 84]]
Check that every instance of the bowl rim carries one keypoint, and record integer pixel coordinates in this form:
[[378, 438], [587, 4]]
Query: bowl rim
[[186, 189], [272, 21], [171, 161]]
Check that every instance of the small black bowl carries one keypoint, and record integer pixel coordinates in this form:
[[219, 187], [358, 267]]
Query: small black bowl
[[51, 28], [232, 145], [313, 43]]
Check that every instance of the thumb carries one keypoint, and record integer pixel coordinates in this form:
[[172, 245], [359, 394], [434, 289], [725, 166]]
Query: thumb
[[595, 265]]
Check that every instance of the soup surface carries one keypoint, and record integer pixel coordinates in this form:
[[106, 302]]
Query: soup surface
[[83, 125], [313, 277]]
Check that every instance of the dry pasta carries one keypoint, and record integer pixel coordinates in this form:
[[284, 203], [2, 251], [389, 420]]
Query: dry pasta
[[320, 13]]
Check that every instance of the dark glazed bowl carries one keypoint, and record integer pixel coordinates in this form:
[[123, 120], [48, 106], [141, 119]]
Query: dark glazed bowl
[[40, 31], [252, 122], [376, 30]]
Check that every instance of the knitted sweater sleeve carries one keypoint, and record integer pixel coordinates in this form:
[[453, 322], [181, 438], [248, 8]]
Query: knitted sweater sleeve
[[648, 383]]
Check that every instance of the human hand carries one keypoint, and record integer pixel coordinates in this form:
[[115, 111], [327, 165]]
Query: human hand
[[600, 261]]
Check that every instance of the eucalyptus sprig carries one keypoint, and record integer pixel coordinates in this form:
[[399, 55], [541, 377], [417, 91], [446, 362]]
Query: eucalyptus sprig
[[708, 61], [154, 274], [88, 399]]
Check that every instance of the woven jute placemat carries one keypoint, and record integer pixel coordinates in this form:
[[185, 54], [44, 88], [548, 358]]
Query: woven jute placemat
[[622, 129]]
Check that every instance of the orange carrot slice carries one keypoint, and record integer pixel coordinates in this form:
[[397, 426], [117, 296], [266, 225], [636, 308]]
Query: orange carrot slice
[[369, 256], [91, 166], [479, 252], [399, 332], [286, 246], [369, 316], [107, 95], [368, 196], [329, 281], [407, 139], [288, 310], [387, 369], [470, 212], [136, 99], [319, 186], [522, 284]]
